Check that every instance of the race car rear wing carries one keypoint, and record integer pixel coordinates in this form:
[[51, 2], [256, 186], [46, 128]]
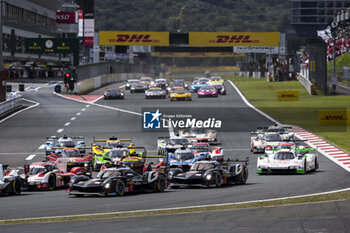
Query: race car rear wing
[[245, 161], [112, 138], [65, 137]]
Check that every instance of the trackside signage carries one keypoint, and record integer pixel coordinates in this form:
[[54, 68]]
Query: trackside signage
[[195, 55], [134, 38], [333, 117], [287, 95], [234, 39]]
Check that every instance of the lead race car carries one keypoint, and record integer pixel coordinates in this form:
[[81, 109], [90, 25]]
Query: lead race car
[[298, 160], [211, 173]]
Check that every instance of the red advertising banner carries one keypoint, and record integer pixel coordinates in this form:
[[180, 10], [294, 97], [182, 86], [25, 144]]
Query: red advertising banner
[[88, 41], [65, 17]]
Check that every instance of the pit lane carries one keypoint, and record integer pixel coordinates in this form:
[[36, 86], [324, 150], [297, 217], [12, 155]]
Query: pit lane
[[54, 112]]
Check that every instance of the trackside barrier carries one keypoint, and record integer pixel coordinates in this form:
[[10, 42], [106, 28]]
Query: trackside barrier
[[303, 78], [102, 80], [10, 104]]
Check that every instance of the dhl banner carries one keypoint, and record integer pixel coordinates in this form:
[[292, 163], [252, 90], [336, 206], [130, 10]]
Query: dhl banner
[[196, 55], [334, 117], [287, 95], [134, 38], [234, 39]]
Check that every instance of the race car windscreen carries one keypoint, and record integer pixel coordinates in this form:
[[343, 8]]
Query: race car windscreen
[[105, 174], [284, 156], [114, 144], [200, 149], [180, 141], [272, 137], [183, 156], [207, 88], [117, 153], [70, 153], [180, 91], [215, 79], [36, 170], [201, 166], [65, 143]]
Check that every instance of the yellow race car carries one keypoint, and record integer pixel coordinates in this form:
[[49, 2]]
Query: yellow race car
[[110, 144], [216, 79], [180, 94]]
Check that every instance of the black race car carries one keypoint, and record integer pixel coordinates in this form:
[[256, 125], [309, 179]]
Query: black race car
[[220, 88], [138, 87], [211, 173], [118, 181], [113, 93]]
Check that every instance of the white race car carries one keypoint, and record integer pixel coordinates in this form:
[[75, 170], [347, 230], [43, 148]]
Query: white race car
[[200, 135], [261, 143], [298, 161], [171, 144]]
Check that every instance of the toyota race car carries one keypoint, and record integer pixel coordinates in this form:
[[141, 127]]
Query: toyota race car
[[64, 141]]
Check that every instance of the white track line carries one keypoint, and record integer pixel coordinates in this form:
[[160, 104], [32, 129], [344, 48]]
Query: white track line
[[30, 157], [83, 109], [67, 124], [41, 147], [60, 130], [73, 118], [14, 114], [88, 105], [97, 99], [78, 113]]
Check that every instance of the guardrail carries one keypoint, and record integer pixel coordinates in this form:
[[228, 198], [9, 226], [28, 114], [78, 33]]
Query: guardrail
[[10, 104], [303, 78], [347, 73]]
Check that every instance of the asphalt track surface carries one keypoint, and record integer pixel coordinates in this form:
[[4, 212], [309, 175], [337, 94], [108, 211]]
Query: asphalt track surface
[[23, 134]]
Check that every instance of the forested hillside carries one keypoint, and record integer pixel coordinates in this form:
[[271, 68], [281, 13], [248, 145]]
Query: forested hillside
[[199, 15]]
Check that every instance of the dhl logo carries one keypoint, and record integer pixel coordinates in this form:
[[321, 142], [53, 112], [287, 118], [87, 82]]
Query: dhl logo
[[288, 96], [334, 118], [234, 39], [123, 38]]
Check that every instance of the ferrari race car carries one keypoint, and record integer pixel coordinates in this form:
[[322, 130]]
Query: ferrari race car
[[64, 141], [200, 135], [208, 91], [298, 161], [155, 92], [211, 173], [113, 93], [118, 181], [48, 176], [10, 181], [166, 144], [180, 94]]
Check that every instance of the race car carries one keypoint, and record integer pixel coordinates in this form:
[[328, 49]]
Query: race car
[[138, 87], [147, 80], [155, 92], [110, 143], [118, 181], [177, 84], [284, 131], [113, 93], [49, 176], [195, 86], [298, 161], [208, 91], [10, 181], [220, 88], [129, 83], [116, 155], [64, 141], [199, 134], [170, 144], [216, 79], [183, 158], [74, 158], [204, 149], [263, 142], [180, 94], [161, 83], [211, 173]]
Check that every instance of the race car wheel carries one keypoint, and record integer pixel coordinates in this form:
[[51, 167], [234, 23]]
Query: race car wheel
[[244, 176], [120, 188], [52, 182], [316, 164], [305, 167], [218, 180], [17, 187], [161, 184]]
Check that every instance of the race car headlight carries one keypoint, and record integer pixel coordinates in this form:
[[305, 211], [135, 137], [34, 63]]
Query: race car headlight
[[121, 94], [208, 177], [173, 95], [107, 186], [86, 165]]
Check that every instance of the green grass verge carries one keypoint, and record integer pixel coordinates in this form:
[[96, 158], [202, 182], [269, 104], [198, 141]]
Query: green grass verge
[[304, 112]]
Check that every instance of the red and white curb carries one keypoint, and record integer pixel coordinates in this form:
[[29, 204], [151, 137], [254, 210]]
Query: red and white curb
[[336, 155]]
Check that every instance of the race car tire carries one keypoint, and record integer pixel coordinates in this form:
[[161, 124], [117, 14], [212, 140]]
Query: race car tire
[[305, 167], [316, 164], [161, 184], [52, 182], [146, 97], [244, 176], [218, 180], [17, 187], [120, 188]]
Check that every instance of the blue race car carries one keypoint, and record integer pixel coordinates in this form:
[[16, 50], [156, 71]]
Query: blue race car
[[51, 146], [202, 82]]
